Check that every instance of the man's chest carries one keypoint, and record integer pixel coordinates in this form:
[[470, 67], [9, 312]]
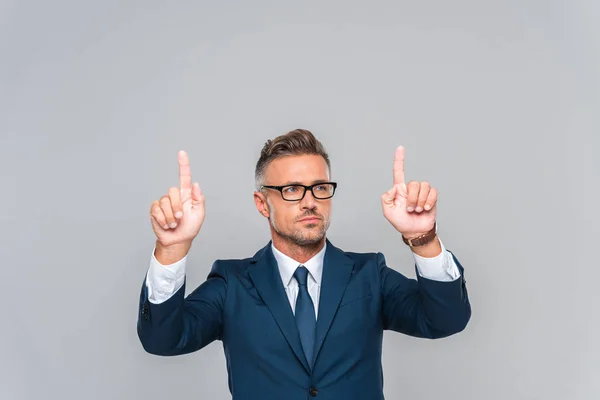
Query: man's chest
[[253, 325]]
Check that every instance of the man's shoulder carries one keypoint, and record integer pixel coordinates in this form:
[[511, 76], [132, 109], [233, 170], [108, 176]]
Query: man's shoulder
[[362, 256], [356, 255], [369, 260], [231, 268], [363, 261], [359, 258]]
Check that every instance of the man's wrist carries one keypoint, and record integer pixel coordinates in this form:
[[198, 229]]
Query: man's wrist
[[172, 253], [414, 235], [429, 250], [420, 239]]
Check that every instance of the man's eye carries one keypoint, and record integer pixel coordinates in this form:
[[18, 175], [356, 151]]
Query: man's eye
[[291, 189], [321, 187]]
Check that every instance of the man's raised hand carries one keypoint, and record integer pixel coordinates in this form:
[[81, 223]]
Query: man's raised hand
[[178, 216], [410, 208]]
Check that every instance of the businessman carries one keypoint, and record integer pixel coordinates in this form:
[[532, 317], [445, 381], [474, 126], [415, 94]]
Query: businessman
[[301, 318]]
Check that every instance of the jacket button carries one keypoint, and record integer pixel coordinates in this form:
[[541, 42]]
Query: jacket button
[[313, 391], [145, 311]]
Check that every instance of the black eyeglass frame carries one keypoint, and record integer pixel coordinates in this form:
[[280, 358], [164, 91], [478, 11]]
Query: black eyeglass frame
[[280, 189]]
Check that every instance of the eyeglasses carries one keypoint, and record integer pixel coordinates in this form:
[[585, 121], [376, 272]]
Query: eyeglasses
[[321, 191]]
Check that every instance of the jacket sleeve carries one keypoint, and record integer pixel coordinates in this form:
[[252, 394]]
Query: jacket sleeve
[[183, 325], [423, 307]]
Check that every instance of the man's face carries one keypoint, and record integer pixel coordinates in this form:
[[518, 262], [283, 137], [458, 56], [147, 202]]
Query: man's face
[[288, 219]]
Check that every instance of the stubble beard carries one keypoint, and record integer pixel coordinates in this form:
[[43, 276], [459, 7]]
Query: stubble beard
[[300, 237]]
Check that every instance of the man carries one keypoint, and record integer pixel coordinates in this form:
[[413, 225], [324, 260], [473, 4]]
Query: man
[[301, 318]]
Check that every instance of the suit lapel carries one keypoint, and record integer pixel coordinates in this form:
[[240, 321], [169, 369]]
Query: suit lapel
[[337, 270], [267, 280]]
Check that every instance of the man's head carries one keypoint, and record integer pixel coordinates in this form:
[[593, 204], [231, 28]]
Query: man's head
[[296, 158]]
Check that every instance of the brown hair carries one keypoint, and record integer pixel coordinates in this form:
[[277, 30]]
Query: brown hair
[[296, 142]]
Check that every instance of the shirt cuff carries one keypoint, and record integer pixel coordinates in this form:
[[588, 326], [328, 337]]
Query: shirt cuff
[[163, 281], [440, 268]]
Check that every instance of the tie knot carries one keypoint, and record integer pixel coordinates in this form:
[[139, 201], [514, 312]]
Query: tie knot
[[301, 275]]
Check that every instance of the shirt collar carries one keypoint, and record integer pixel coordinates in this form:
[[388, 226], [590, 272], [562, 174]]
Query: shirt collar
[[287, 265]]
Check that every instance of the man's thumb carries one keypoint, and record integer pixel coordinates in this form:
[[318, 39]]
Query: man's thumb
[[390, 195]]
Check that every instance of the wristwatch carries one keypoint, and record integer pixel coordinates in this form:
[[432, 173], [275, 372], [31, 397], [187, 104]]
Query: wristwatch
[[423, 239]]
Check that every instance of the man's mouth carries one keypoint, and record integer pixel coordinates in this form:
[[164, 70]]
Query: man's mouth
[[310, 219]]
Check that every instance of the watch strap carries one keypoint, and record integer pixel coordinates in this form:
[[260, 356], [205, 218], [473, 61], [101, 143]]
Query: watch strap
[[423, 239]]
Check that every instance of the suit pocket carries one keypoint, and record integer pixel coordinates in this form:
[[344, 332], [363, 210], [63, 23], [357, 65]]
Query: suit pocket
[[362, 292]]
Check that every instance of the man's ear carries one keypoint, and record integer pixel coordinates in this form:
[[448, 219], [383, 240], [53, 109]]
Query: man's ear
[[261, 204]]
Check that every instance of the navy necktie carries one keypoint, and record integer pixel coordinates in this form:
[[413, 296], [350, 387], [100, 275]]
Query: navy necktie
[[305, 314]]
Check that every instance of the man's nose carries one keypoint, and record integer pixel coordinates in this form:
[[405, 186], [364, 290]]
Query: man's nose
[[308, 201]]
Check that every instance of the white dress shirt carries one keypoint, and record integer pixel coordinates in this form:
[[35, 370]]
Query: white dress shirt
[[287, 267], [163, 281]]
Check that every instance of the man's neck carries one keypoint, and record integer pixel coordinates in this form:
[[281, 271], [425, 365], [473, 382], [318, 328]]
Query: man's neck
[[299, 253]]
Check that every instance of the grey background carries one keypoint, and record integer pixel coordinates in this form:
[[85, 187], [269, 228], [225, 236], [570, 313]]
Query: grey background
[[496, 103]]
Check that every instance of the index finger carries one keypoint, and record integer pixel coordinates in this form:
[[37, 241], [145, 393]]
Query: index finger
[[185, 175], [399, 166]]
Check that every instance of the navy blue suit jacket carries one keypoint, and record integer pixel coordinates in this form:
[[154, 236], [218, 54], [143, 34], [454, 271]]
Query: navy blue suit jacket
[[243, 304]]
